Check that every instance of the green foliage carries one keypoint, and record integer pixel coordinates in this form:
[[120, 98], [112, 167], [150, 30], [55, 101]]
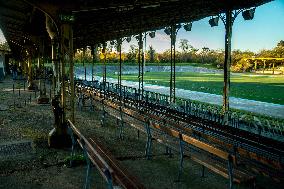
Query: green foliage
[[4, 46], [238, 62], [188, 54], [132, 54], [152, 54]]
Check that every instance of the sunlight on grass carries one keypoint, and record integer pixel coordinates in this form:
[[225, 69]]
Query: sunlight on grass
[[264, 88]]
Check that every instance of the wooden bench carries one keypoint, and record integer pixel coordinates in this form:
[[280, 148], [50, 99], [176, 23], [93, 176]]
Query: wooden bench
[[219, 168], [111, 170], [212, 145]]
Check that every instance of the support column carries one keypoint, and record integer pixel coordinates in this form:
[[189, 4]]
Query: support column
[[71, 70], [55, 63], [31, 85], [94, 54], [264, 65], [227, 64], [119, 43], [174, 30], [58, 137], [140, 65], [104, 70], [273, 68], [84, 65], [42, 98]]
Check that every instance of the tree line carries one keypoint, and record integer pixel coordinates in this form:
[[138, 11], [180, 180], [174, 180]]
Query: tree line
[[186, 54]]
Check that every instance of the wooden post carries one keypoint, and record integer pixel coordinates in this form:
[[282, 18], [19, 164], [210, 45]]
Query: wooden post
[[273, 68], [227, 64], [264, 64]]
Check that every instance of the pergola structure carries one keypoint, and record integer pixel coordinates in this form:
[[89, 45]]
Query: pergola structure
[[263, 60]]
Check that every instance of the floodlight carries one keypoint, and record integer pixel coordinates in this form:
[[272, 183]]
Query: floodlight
[[248, 14], [178, 26], [137, 37], [167, 31], [214, 21], [188, 26], [128, 39], [152, 34]]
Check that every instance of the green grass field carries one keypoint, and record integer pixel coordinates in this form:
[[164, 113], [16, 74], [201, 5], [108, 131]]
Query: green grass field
[[266, 88]]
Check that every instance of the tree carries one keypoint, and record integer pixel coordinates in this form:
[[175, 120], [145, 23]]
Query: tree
[[205, 51], [152, 53], [4, 46], [187, 50], [184, 45], [131, 55], [278, 51], [280, 44]]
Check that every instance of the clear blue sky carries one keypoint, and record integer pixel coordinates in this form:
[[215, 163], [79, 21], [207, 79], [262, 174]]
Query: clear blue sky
[[263, 32]]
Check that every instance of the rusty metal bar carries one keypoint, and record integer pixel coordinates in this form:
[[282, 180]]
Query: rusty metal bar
[[227, 64]]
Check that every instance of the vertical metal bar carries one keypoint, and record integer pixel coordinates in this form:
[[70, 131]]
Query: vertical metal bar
[[230, 171], [181, 157], [85, 70], [109, 179], [121, 124], [93, 61], [174, 67], [149, 140], [227, 64], [120, 71], [104, 69], [171, 79], [140, 64], [71, 69], [55, 70], [87, 183], [64, 29], [143, 64], [70, 132]]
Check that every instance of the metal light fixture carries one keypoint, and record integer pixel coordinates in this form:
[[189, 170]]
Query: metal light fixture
[[214, 21], [178, 26], [128, 39], [187, 26], [168, 31], [248, 14], [152, 34]]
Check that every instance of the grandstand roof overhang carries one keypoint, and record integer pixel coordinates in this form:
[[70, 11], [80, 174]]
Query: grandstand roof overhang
[[23, 21]]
